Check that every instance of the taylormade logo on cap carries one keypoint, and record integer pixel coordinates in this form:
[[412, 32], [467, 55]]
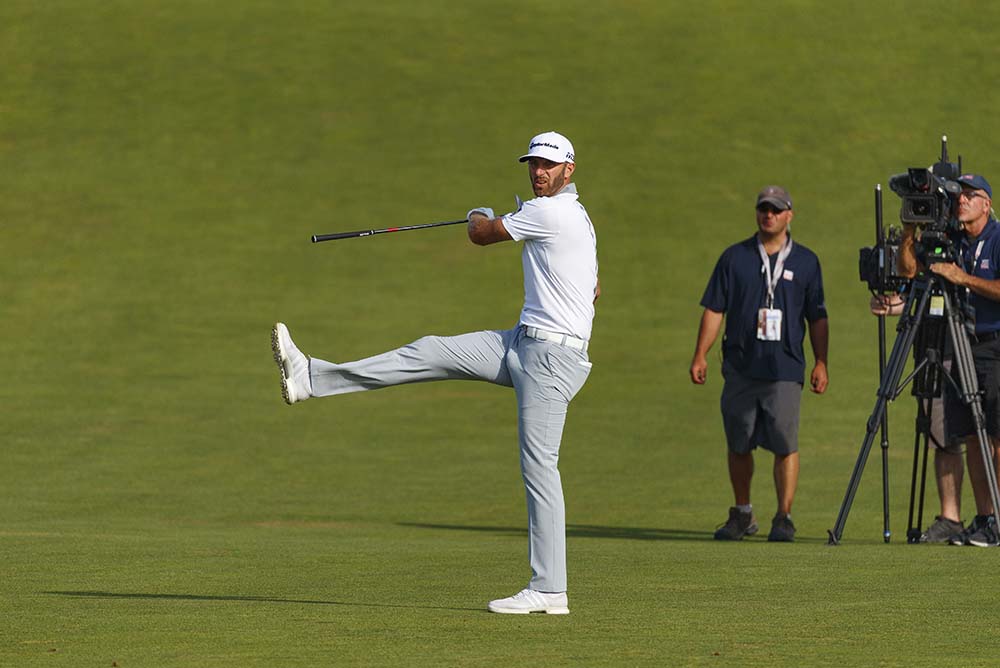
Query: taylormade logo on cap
[[550, 146]]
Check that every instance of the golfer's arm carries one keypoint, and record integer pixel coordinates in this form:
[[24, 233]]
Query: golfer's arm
[[484, 231]]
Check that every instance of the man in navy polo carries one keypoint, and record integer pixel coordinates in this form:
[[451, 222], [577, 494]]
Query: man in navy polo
[[768, 290], [979, 273]]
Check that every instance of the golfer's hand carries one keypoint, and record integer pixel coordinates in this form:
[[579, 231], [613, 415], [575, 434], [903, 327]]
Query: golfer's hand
[[699, 370], [819, 379], [483, 211]]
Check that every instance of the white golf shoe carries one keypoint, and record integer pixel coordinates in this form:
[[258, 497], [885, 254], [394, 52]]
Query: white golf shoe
[[529, 600], [294, 366]]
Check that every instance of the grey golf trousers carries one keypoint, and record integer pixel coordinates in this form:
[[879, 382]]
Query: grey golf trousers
[[545, 377]]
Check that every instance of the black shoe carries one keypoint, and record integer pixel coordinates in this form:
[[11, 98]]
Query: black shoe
[[975, 525], [782, 529], [941, 530], [986, 536], [738, 525]]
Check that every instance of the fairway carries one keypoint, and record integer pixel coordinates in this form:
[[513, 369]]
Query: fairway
[[163, 166]]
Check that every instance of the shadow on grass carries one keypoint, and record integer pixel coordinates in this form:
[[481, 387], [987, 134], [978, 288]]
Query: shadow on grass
[[584, 531], [244, 599], [593, 531]]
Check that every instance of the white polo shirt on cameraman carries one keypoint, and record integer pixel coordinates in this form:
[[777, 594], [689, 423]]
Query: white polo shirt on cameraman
[[559, 261]]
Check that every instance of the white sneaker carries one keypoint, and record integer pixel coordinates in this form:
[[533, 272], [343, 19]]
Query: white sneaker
[[529, 600], [294, 366]]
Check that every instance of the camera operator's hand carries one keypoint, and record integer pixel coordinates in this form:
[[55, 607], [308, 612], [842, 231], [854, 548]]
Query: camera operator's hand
[[988, 288], [950, 272], [886, 304]]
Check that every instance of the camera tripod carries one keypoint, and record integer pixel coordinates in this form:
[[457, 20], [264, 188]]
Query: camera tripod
[[928, 373], [931, 297]]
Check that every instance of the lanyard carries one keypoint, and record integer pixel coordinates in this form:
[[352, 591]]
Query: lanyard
[[980, 242], [975, 259], [779, 265]]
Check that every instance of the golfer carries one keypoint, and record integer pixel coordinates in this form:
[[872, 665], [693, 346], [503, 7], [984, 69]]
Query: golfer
[[544, 358]]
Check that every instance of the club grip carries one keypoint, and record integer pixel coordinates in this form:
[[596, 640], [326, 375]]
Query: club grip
[[316, 238]]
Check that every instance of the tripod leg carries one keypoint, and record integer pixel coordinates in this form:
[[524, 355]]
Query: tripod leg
[[885, 435], [923, 489], [885, 476], [888, 389], [921, 432]]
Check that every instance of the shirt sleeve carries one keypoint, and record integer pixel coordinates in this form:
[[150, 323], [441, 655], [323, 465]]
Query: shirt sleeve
[[815, 306], [716, 296], [532, 221]]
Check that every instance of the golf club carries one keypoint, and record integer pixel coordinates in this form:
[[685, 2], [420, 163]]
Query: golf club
[[367, 233]]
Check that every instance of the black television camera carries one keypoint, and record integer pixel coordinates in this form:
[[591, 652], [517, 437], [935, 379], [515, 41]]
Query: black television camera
[[929, 199], [877, 264]]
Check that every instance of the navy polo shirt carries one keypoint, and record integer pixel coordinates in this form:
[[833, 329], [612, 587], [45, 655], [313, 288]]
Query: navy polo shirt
[[738, 289], [984, 264]]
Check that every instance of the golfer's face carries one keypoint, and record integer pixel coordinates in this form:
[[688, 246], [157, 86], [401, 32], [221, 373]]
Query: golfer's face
[[547, 177]]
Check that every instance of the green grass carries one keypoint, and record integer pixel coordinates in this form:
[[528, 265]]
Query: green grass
[[163, 166]]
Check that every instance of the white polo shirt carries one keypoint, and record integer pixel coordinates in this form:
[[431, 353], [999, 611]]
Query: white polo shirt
[[559, 260]]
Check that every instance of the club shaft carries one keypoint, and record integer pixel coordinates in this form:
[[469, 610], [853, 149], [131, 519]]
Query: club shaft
[[367, 233]]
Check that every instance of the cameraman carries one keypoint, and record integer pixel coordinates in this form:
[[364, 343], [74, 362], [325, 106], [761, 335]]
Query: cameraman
[[947, 457], [980, 275]]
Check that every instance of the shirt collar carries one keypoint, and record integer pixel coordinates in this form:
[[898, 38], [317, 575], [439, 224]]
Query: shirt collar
[[754, 240], [988, 230]]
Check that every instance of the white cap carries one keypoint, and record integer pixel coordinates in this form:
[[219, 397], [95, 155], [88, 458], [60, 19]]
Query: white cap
[[551, 146]]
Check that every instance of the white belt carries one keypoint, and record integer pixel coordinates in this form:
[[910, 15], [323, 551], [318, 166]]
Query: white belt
[[561, 339]]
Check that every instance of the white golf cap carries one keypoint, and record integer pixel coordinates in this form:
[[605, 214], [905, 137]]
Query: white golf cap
[[551, 146]]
